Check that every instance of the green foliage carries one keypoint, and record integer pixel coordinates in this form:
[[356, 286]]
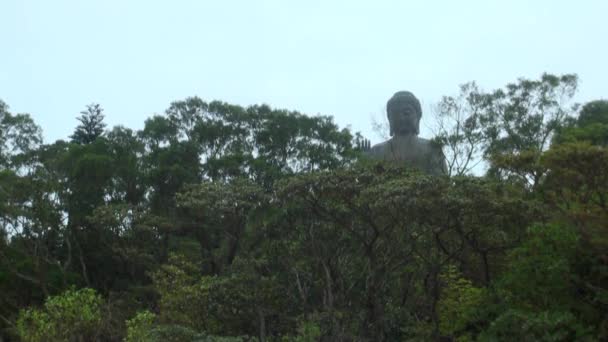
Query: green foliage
[[222, 305], [520, 118], [576, 190], [591, 125], [538, 276], [524, 115], [177, 333], [139, 328], [539, 294], [595, 133], [594, 112], [400, 228], [91, 125], [307, 332], [19, 136], [73, 315], [536, 326], [128, 179], [459, 303], [174, 333], [244, 224], [458, 131], [176, 284], [225, 211]]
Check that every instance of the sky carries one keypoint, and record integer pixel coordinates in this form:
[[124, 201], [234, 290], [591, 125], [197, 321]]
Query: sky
[[338, 58]]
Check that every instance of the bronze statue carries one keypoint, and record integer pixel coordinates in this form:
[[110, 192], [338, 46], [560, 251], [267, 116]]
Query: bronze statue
[[405, 147]]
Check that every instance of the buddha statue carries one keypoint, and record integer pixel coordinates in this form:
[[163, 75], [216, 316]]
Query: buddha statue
[[405, 147]]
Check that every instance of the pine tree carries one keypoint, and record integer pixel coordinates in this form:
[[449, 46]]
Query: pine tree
[[91, 125]]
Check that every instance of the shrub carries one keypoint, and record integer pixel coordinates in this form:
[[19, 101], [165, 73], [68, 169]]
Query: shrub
[[72, 315]]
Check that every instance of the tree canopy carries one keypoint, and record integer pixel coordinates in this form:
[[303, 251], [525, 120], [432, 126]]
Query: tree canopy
[[217, 222]]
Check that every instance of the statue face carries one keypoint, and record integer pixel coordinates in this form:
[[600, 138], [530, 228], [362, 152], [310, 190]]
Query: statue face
[[403, 118]]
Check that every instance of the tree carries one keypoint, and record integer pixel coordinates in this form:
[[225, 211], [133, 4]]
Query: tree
[[258, 141], [19, 136], [520, 121], [252, 223], [91, 125], [591, 125], [219, 214], [128, 180], [509, 127], [458, 131], [593, 112], [75, 315], [367, 246], [537, 298], [577, 193]]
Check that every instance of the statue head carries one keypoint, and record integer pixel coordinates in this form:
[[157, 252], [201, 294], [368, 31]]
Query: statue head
[[404, 113]]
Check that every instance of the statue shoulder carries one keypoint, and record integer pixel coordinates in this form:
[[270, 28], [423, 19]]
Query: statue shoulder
[[437, 163], [429, 144], [379, 150], [424, 142], [380, 146]]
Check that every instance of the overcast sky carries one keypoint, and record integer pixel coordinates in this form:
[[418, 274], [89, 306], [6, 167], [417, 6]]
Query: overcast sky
[[339, 58]]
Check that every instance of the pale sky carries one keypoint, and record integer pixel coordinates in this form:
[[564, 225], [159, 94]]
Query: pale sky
[[339, 58]]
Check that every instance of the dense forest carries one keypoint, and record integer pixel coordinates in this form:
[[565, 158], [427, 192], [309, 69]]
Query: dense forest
[[217, 222]]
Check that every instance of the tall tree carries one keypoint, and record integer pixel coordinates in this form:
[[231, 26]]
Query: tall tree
[[457, 130], [510, 127], [91, 125], [19, 135], [591, 125]]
